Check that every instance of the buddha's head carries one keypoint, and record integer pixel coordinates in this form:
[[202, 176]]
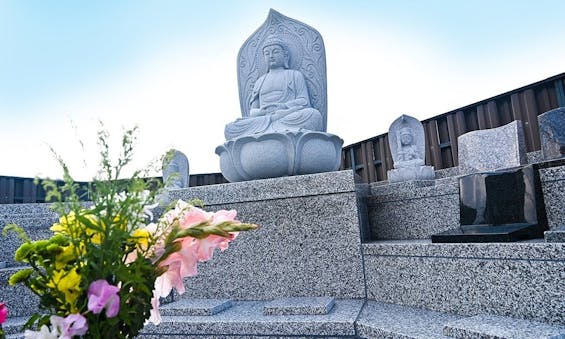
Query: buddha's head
[[406, 136], [275, 53]]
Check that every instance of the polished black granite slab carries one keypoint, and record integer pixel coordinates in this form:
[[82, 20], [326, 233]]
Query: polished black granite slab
[[499, 206]]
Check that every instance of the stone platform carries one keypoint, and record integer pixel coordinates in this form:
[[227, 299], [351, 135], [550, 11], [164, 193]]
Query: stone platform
[[308, 243], [313, 269]]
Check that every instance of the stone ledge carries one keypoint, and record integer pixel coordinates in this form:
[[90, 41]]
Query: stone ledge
[[527, 250], [555, 236], [268, 189], [299, 306], [404, 191], [195, 307], [496, 327], [381, 320]]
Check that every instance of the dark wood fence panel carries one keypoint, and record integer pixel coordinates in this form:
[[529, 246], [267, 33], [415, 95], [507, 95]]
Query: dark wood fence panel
[[371, 158]]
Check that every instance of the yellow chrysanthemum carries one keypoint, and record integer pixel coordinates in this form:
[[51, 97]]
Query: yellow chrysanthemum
[[64, 222], [68, 254], [67, 283], [141, 237]]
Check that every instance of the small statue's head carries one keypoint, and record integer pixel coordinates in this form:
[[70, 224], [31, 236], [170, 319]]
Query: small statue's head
[[406, 136], [276, 53]]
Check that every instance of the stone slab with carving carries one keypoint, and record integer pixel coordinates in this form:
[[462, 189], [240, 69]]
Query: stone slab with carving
[[408, 147], [175, 170], [283, 98], [552, 133], [492, 149]]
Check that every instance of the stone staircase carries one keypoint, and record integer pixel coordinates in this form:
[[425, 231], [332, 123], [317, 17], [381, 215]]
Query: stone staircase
[[353, 318]]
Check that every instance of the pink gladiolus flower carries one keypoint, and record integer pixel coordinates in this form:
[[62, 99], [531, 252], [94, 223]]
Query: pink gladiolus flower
[[3, 313], [102, 295], [207, 245], [71, 325], [223, 215], [194, 216]]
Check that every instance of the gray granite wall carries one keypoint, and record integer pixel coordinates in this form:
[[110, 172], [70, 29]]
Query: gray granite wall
[[308, 244], [414, 209], [553, 187], [522, 280]]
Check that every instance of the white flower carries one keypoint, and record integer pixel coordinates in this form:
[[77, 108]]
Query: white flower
[[43, 333]]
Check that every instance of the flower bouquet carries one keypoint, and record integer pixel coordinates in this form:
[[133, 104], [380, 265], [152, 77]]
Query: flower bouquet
[[104, 270]]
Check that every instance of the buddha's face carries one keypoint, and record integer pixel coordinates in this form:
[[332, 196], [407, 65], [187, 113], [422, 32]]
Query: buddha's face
[[275, 56], [406, 139]]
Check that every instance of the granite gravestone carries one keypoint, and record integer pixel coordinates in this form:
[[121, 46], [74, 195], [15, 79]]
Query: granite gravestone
[[552, 133], [282, 92], [175, 170], [499, 206], [492, 149], [408, 147]]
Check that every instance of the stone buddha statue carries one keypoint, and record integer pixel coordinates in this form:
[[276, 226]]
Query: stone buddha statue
[[407, 144], [279, 101], [407, 151], [281, 73]]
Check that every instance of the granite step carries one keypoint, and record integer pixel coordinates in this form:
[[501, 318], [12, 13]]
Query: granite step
[[555, 236], [497, 327], [382, 320], [195, 307], [349, 318], [14, 325], [20, 300], [248, 319]]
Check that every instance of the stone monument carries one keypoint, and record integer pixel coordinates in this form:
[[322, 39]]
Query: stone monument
[[175, 170], [492, 149], [282, 92], [408, 147], [552, 133]]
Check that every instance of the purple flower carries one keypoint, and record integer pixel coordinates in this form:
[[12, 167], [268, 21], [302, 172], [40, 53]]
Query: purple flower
[[102, 295], [71, 325]]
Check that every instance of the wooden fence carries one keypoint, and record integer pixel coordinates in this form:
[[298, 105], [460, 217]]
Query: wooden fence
[[15, 190], [371, 158]]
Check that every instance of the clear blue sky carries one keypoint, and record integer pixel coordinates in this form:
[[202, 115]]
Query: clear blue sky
[[169, 67]]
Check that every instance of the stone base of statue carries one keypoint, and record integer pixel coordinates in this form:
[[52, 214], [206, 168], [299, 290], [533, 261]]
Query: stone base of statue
[[411, 173], [272, 155]]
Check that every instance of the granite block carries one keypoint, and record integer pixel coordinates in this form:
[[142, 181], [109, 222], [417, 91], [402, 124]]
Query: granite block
[[381, 320], [492, 149], [195, 307], [299, 306], [447, 172], [494, 327], [275, 188], [409, 210], [246, 318], [478, 282], [307, 245], [20, 300], [536, 250], [553, 188], [25, 209], [552, 133], [14, 325], [35, 227], [554, 236], [534, 157]]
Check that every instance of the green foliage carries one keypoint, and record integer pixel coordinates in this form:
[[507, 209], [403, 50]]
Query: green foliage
[[92, 243]]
